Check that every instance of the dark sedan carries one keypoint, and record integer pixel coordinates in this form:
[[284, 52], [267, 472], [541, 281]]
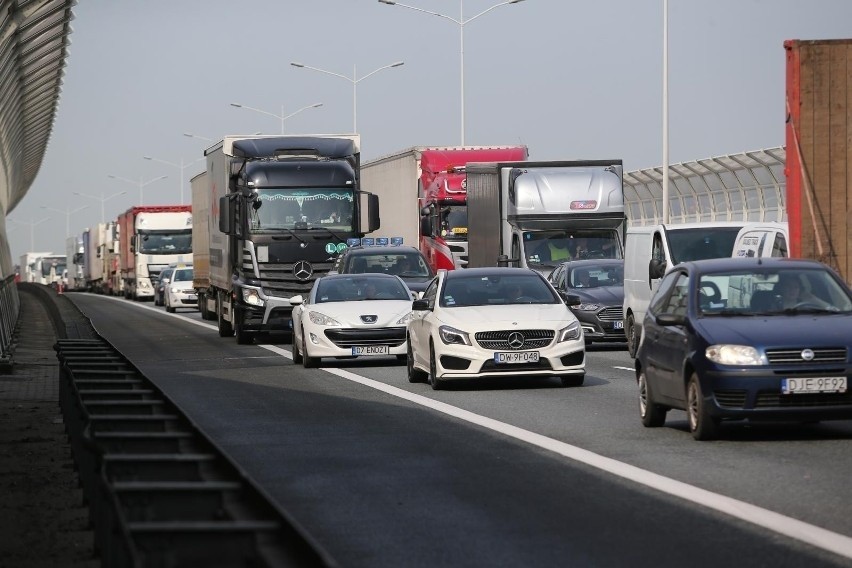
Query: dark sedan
[[733, 339], [404, 261], [600, 287]]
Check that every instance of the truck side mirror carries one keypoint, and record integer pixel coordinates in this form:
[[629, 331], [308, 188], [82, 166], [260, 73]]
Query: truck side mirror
[[371, 221], [226, 215]]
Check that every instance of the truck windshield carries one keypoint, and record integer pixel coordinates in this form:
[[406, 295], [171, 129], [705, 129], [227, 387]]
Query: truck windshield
[[283, 208], [454, 222], [701, 243], [48, 265], [549, 248], [165, 242]]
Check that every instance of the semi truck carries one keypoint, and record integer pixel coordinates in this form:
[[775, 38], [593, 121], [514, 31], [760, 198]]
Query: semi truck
[[538, 214], [150, 238], [100, 243], [74, 266], [279, 209], [425, 188], [818, 145], [29, 269]]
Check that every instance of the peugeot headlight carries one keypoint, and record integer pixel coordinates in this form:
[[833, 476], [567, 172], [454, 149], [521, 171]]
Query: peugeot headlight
[[251, 296], [453, 336], [735, 355], [587, 307], [322, 319], [404, 319], [569, 333]]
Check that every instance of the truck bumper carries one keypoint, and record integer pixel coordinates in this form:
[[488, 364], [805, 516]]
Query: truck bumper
[[274, 315]]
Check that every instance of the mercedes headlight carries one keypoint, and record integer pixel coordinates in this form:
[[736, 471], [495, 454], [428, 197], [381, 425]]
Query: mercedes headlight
[[569, 333], [251, 296], [322, 319], [453, 336], [587, 307], [735, 355]]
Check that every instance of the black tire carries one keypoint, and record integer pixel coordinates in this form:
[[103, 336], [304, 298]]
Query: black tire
[[297, 354], [202, 306], [652, 414], [415, 375], [633, 336], [573, 380], [308, 362], [701, 424], [243, 337], [170, 309], [224, 326], [434, 382]]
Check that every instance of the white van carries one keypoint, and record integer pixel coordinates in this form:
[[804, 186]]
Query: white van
[[651, 250], [763, 240]]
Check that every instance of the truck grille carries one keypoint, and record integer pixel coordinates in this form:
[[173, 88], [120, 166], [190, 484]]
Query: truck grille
[[532, 339], [794, 356], [279, 279]]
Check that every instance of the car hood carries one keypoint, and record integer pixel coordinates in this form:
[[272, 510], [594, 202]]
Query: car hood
[[387, 312], [606, 295], [520, 316], [793, 330]]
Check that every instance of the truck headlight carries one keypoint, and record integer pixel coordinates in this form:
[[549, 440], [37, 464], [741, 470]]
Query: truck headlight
[[735, 355], [569, 333], [251, 296], [322, 319]]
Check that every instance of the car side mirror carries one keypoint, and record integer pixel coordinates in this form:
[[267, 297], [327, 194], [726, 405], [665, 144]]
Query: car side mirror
[[296, 300], [670, 319], [419, 305], [573, 299]]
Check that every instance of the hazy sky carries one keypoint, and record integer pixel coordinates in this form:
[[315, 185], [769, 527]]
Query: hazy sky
[[570, 79]]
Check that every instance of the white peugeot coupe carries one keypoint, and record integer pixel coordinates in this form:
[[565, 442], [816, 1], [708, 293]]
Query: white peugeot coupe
[[351, 315], [491, 322]]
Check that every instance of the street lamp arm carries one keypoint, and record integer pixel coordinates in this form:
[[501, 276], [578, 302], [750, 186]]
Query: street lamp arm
[[397, 64], [488, 10], [300, 65], [278, 116], [150, 181], [191, 135], [161, 161], [294, 113], [428, 11]]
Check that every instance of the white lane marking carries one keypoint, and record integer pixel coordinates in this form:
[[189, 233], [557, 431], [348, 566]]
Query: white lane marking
[[624, 368], [770, 520]]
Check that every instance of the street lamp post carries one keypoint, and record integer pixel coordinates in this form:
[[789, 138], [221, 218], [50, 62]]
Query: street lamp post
[[68, 212], [181, 166], [461, 23], [141, 183], [32, 225], [282, 117], [354, 80], [102, 199]]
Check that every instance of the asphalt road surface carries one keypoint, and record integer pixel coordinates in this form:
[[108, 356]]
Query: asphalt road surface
[[513, 472]]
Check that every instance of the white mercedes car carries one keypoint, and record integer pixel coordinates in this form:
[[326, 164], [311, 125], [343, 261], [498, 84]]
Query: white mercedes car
[[491, 322], [351, 315]]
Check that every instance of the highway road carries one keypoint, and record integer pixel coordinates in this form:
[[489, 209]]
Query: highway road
[[497, 473]]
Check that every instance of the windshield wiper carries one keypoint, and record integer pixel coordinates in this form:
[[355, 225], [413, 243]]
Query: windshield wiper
[[330, 232], [295, 236], [730, 313]]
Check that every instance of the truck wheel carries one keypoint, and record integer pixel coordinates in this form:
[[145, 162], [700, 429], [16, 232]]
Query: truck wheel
[[243, 336], [225, 328]]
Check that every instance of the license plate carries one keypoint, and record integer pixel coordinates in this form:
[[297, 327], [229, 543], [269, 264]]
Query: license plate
[[371, 350], [813, 385], [618, 325], [513, 357]]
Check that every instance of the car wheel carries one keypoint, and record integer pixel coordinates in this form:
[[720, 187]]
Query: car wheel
[[573, 380], [297, 353], [434, 382], [652, 414], [169, 308], [701, 424], [632, 336], [308, 362], [415, 375]]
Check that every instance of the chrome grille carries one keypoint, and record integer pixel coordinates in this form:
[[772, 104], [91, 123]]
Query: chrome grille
[[794, 356], [612, 313], [278, 279], [533, 338], [393, 336]]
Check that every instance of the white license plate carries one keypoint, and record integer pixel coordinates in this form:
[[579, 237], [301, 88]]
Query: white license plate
[[516, 357], [618, 325], [371, 350], [813, 385]]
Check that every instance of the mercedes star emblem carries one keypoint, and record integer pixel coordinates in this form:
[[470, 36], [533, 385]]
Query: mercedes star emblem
[[808, 354], [303, 270], [516, 340]]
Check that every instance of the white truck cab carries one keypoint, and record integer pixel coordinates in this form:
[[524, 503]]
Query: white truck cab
[[763, 240]]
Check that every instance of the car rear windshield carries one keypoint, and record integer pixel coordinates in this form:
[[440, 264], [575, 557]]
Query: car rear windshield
[[497, 290], [406, 265]]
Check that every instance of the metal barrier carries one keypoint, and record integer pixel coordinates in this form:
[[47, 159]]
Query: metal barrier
[[10, 307]]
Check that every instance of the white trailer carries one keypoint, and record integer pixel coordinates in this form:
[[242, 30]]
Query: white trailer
[[74, 257], [29, 268]]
